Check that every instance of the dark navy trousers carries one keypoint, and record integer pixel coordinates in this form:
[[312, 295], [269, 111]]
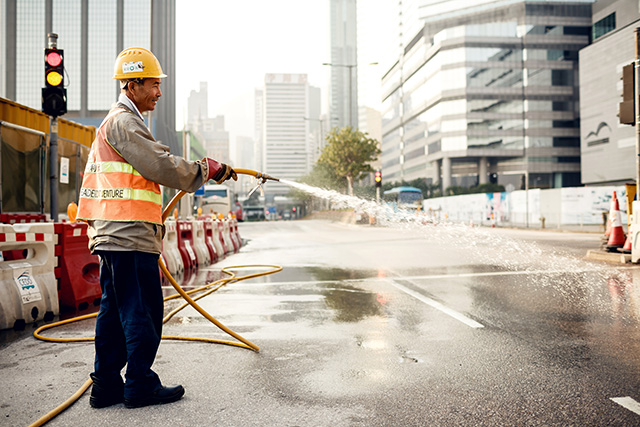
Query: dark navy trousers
[[129, 324]]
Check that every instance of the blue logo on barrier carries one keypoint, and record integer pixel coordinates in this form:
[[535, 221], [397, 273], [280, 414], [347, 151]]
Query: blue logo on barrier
[[25, 281]]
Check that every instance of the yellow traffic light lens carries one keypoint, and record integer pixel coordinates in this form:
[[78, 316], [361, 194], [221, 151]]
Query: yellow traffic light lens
[[54, 78]]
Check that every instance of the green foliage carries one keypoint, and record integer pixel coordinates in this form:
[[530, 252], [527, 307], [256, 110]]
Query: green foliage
[[349, 153]]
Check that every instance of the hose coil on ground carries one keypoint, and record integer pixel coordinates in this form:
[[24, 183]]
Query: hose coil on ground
[[186, 295]]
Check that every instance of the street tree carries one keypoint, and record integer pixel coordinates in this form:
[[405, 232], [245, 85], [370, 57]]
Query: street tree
[[349, 153]]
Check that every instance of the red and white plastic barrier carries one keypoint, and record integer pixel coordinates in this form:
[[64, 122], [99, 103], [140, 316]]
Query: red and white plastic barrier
[[28, 287], [209, 240], [77, 271], [235, 233], [170, 250], [185, 245], [222, 238], [199, 244], [19, 218]]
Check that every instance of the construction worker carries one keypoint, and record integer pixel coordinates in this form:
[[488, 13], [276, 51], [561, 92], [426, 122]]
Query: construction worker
[[120, 200]]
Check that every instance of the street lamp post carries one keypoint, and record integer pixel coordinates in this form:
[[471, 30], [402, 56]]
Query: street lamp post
[[350, 67], [321, 121]]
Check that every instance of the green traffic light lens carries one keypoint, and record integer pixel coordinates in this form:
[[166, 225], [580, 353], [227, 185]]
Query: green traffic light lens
[[54, 78]]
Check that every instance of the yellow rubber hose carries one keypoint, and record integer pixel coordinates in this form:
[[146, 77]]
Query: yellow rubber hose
[[206, 289]]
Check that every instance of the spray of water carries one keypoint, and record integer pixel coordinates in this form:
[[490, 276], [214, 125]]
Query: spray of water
[[559, 269]]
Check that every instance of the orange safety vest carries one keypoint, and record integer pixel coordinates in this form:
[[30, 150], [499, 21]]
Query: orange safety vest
[[112, 190]]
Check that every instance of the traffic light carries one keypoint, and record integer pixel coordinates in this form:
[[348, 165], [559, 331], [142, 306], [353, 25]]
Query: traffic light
[[54, 95], [378, 179], [627, 111]]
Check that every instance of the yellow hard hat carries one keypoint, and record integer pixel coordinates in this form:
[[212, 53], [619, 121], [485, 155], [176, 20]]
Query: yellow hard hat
[[137, 63]]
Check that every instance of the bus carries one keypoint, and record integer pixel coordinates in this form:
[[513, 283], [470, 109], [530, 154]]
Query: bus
[[217, 198], [403, 198]]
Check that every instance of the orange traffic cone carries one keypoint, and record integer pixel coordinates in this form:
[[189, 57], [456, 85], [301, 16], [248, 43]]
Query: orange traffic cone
[[626, 249], [616, 239], [607, 232]]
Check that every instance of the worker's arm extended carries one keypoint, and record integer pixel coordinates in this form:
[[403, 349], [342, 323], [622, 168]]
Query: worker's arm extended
[[128, 135]]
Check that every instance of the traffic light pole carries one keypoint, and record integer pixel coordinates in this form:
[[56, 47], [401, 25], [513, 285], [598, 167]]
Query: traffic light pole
[[53, 150], [53, 167]]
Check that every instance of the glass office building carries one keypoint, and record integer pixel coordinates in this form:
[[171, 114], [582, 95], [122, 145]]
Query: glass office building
[[488, 93], [91, 33]]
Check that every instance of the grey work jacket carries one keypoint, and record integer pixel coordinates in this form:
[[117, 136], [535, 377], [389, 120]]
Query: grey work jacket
[[129, 136]]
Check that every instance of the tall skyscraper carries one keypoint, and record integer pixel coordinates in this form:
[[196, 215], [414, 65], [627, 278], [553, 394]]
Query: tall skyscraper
[[343, 99], [287, 141], [198, 104], [214, 137], [92, 33]]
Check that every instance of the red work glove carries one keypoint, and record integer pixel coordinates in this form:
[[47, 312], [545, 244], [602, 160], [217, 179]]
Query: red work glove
[[220, 172]]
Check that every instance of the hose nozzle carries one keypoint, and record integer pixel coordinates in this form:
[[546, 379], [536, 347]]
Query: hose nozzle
[[259, 175], [264, 177]]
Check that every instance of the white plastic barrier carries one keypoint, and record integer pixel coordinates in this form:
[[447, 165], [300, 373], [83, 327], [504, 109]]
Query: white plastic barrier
[[216, 238], [227, 236], [199, 244], [170, 249], [28, 287]]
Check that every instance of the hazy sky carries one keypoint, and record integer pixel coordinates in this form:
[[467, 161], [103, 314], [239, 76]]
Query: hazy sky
[[233, 44]]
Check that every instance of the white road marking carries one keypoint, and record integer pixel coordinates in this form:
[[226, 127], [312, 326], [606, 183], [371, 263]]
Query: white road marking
[[429, 277], [438, 306], [629, 403], [500, 273]]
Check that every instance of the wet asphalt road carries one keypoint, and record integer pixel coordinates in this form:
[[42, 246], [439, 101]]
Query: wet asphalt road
[[373, 326]]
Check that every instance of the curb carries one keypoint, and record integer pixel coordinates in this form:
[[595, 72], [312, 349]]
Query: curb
[[609, 256]]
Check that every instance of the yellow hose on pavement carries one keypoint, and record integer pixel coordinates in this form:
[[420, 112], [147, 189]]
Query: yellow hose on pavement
[[206, 289]]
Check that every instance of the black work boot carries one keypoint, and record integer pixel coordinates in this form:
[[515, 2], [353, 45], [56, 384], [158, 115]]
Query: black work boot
[[106, 393], [158, 397]]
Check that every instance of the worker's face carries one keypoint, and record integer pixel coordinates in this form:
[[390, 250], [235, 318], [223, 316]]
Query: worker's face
[[146, 94]]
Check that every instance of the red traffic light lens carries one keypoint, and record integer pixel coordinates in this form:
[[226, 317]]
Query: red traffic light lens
[[54, 59]]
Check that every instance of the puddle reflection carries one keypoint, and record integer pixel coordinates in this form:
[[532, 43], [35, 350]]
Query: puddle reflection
[[352, 304]]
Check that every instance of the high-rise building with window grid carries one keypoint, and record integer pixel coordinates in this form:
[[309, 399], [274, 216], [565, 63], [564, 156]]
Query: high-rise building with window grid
[[92, 33], [485, 91], [287, 139], [607, 147], [344, 57]]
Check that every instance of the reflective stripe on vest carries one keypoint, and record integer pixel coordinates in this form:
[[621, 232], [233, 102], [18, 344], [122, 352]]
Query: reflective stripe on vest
[[112, 190]]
